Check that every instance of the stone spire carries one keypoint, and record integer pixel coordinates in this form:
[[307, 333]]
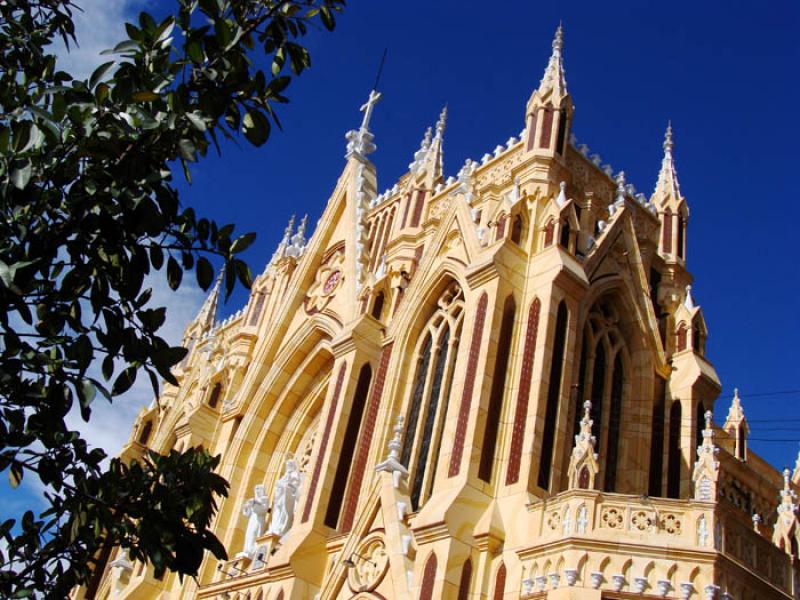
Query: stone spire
[[785, 526], [736, 427], [667, 185], [280, 251], [208, 312], [706, 469], [583, 464], [689, 301], [553, 79], [360, 141], [298, 240], [429, 157]]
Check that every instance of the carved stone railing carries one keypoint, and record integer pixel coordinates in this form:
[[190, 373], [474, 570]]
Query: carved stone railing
[[702, 534]]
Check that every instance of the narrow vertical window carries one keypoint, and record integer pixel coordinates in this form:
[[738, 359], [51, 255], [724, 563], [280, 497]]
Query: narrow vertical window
[[416, 401], [348, 446], [564, 237], [498, 387], [581, 387], [614, 424], [213, 398], [547, 127], [674, 457], [699, 425], [598, 389], [562, 132], [532, 132], [516, 230], [500, 583], [681, 236], [430, 417], [500, 232], [466, 581], [377, 306], [430, 394], [144, 437], [680, 338], [657, 440], [553, 397], [666, 242], [549, 232], [257, 308]]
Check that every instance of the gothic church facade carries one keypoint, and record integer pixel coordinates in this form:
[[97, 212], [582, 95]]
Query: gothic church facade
[[492, 385]]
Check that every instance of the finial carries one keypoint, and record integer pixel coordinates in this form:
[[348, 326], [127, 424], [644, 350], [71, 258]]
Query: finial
[[554, 73], [620, 199], [558, 40], [689, 302], [708, 417], [668, 139], [359, 142], [440, 124], [561, 200]]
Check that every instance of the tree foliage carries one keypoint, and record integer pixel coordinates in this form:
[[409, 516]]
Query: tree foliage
[[89, 210]]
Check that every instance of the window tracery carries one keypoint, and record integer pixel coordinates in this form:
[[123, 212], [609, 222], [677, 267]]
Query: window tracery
[[427, 410]]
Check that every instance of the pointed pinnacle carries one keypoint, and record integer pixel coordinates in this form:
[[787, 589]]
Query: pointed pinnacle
[[440, 124], [558, 39], [668, 144]]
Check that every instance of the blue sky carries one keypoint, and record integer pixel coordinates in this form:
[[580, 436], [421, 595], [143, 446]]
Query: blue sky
[[725, 73]]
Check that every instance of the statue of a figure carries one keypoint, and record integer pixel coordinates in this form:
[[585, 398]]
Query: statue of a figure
[[255, 509], [285, 499]]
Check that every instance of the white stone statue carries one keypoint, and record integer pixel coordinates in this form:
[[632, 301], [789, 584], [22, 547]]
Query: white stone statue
[[255, 509], [285, 498]]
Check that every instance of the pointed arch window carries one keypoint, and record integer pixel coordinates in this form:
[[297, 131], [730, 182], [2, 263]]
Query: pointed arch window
[[213, 398], [348, 446], [144, 436], [377, 306], [674, 453], [699, 425], [681, 236], [602, 376], [553, 396], [494, 411], [532, 132], [666, 241], [516, 230], [614, 423], [500, 583], [562, 132], [430, 393], [563, 240], [657, 440], [547, 127]]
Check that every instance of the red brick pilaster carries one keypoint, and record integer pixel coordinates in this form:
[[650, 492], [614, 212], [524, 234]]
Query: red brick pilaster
[[365, 441], [326, 434], [469, 385], [518, 432]]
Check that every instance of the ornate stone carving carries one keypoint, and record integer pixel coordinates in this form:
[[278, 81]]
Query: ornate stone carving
[[611, 518], [326, 282], [371, 563]]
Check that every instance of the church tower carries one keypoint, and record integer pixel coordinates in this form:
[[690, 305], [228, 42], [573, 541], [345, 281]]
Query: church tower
[[492, 384]]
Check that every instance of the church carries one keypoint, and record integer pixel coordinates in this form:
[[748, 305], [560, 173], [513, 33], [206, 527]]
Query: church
[[491, 385]]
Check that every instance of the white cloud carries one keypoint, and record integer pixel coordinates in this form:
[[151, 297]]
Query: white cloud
[[99, 25]]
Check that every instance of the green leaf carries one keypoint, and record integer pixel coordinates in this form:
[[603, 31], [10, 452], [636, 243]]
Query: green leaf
[[124, 381], [255, 127], [21, 173], [242, 243], [174, 273], [196, 120], [99, 73], [205, 273], [187, 150]]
